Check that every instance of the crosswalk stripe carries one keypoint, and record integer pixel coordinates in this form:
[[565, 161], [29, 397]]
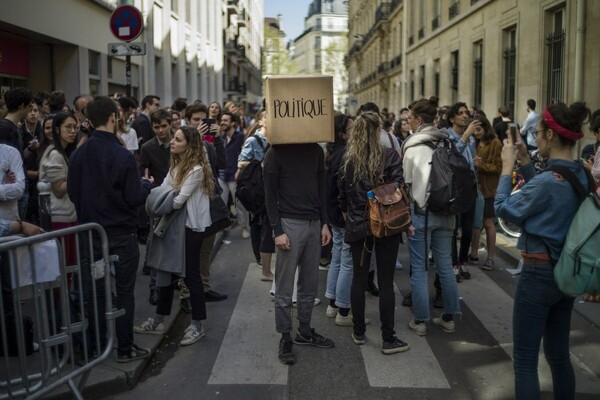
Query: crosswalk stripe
[[493, 307], [403, 370], [248, 353]]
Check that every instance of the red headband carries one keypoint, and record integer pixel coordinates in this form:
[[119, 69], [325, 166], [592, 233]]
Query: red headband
[[552, 124]]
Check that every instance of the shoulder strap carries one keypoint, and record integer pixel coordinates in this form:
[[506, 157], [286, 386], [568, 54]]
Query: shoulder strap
[[391, 139], [259, 141], [572, 179]]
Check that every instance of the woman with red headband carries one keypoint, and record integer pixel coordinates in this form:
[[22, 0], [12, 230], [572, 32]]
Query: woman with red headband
[[544, 209]]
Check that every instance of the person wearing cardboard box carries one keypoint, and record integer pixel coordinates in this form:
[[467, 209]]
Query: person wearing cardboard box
[[295, 200]]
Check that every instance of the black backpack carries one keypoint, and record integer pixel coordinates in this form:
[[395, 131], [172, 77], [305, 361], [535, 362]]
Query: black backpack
[[250, 187], [453, 187]]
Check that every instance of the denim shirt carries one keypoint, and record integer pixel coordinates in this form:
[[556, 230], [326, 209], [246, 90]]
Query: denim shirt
[[251, 151], [466, 149], [544, 208]]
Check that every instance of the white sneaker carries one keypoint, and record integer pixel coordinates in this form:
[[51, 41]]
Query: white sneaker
[[150, 327], [331, 312], [399, 265], [447, 326], [245, 233], [192, 335], [348, 320], [419, 329]]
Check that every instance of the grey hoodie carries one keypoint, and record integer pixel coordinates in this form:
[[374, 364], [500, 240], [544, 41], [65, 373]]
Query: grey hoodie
[[416, 161]]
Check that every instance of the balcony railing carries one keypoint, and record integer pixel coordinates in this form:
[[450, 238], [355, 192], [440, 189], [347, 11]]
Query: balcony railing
[[435, 23], [382, 12], [396, 61], [232, 6], [453, 11]]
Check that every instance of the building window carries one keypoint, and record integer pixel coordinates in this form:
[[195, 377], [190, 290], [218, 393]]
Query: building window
[[436, 77], [422, 81], [109, 67], [94, 63], [421, 33], [188, 12], [318, 24], [435, 23], [412, 85], [555, 44], [175, 6], [453, 10], [317, 42], [454, 75], [510, 66], [478, 74], [318, 62]]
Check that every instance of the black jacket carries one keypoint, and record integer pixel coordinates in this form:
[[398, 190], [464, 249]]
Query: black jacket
[[333, 192], [104, 184], [353, 198]]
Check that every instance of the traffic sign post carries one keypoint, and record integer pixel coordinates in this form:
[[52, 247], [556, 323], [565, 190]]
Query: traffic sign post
[[126, 23]]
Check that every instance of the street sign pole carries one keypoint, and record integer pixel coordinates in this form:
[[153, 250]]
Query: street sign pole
[[126, 23], [128, 74]]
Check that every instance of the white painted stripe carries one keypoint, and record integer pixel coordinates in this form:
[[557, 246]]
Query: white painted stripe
[[494, 307], [248, 354], [405, 369]]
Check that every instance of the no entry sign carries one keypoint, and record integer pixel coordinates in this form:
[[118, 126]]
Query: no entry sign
[[126, 23]]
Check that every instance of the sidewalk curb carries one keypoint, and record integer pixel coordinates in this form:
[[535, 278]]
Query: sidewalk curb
[[110, 377]]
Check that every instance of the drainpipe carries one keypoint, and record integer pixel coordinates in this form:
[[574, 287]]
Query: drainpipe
[[579, 50], [579, 56]]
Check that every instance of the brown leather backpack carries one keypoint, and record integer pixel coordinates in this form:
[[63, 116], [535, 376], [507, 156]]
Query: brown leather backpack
[[389, 208]]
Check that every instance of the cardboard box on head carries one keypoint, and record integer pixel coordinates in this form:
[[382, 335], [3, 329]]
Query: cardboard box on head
[[299, 109]]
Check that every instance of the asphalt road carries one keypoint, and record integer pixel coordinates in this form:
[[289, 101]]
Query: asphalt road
[[238, 357]]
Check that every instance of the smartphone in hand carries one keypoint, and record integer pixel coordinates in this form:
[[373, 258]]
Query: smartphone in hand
[[512, 129], [209, 122]]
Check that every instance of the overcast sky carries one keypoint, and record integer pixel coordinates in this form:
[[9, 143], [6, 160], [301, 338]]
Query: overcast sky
[[293, 13]]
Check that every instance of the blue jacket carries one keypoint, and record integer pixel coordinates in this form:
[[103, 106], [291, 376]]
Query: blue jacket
[[544, 208], [104, 184]]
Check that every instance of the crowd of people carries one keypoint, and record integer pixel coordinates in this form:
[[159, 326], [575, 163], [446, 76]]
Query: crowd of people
[[167, 176]]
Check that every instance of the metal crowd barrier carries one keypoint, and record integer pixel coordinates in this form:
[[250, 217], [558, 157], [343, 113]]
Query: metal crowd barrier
[[53, 328]]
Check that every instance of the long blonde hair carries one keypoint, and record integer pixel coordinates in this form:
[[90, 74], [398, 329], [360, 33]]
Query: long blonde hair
[[195, 154], [364, 153]]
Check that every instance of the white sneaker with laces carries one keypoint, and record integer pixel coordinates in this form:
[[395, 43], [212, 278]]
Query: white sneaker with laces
[[150, 327], [192, 335], [331, 312], [419, 329], [447, 326]]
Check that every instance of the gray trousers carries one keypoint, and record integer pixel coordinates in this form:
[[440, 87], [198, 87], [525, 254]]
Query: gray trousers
[[304, 254]]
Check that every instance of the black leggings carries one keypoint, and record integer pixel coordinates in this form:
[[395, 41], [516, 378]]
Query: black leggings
[[193, 241], [386, 252], [465, 221]]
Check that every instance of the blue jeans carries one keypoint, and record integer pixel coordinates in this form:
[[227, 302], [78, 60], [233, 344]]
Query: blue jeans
[[541, 310], [339, 277], [439, 240]]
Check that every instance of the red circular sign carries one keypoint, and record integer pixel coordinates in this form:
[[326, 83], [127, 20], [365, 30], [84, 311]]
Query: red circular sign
[[126, 23]]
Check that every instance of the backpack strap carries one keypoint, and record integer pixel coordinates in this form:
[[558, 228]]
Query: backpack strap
[[570, 176], [260, 143], [391, 139]]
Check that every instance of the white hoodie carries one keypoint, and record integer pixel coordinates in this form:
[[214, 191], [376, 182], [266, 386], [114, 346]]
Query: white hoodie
[[416, 161]]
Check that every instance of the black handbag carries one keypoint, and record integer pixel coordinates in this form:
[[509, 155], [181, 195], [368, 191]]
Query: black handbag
[[219, 215]]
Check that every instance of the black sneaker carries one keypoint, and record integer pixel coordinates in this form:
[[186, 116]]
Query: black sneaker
[[315, 340], [407, 301], [438, 300], [358, 339], [135, 353], [395, 346], [464, 272], [286, 354]]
